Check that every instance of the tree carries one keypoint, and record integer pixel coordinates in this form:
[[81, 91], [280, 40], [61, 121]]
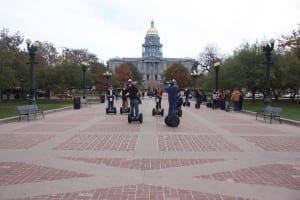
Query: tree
[[208, 57], [123, 72], [290, 41], [9, 60], [136, 75], [177, 72], [81, 55]]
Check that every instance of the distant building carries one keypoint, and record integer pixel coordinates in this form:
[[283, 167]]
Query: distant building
[[152, 64]]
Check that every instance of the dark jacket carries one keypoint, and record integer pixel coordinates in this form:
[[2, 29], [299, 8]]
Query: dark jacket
[[133, 92]]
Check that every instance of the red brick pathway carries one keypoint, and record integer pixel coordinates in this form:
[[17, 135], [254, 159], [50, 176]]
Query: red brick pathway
[[21, 141], [276, 175], [145, 164], [87, 155], [17, 173], [138, 192]]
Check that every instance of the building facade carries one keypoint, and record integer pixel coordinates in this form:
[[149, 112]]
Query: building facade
[[152, 64]]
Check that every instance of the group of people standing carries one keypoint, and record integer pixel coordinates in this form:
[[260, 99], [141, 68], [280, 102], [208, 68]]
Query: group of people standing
[[222, 99]]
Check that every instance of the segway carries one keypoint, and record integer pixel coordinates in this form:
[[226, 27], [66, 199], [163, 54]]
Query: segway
[[172, 121], [187, 102], [124, 109], [198, 103], [132, 117], [157, 110], [111, 108], [179, 104]]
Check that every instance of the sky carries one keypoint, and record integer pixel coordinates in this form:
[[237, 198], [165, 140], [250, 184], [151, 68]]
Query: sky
[[117, 28]]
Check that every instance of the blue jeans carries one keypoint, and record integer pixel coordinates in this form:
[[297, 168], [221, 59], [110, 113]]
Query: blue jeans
[[227, 108], [236, 106], [134, 107], [172, 110]]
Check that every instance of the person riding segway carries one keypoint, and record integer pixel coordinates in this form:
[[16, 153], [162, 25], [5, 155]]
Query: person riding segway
[[171, 119], [110, 98], [133, 94], [124, 108], [198, 97], [187, 95], [158, 110]]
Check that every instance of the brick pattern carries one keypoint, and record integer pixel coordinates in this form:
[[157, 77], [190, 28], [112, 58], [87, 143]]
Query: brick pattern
[[21, 141], [248, 129], [273, 174], [58, 128], [145, 164], [135, 192], [195, 143], [17, 172], [115, 127], [276, 143], [116, 142]]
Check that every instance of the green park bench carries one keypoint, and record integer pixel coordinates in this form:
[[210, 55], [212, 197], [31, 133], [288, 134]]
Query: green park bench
[[28, 110], [271, 112]]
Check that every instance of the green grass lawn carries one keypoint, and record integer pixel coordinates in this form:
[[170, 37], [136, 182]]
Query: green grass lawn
[[9, 108], [290, 109]]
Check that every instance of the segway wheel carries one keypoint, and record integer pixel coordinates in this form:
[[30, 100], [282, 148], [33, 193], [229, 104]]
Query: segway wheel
[[153, 112], [175, 121], [179, 113], [121, 112], [184, 104], [106, 111], [162, 112], [141, 118], [129, 119], [188, 104], [167, 121]]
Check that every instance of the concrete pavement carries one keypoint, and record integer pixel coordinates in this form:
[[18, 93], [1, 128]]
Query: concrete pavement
[[86, 154]]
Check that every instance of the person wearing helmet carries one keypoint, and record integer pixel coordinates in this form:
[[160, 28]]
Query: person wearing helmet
[[172, 91]]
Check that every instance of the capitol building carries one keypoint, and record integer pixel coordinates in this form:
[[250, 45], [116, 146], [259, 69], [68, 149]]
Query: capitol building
[[152, 64]]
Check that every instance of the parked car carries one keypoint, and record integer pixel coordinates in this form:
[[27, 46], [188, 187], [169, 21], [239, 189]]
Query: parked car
[[289, 95], [257, 95], [63, 95]]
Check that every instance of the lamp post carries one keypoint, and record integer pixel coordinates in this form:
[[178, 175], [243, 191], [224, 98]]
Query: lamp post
[[32, 48], [107, 74], [268, 48], [217, 65], [84, 68], [195, 74]]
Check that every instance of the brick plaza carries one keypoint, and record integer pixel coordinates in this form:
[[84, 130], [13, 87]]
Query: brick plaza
[[87, 155]]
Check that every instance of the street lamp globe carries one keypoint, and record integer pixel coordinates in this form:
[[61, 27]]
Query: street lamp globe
[[195, 74]]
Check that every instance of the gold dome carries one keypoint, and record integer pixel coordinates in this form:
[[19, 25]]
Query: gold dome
[[152, 30]]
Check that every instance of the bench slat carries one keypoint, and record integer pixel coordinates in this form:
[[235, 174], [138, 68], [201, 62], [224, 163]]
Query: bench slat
[[272, 112], [29, 110]]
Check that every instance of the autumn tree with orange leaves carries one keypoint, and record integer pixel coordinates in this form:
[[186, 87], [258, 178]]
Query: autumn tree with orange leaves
[[177, 72], [123, 73]]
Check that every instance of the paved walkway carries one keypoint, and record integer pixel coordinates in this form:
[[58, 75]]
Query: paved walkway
[[86, 154]]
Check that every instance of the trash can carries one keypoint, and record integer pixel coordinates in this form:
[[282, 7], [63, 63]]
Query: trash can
[[102, 98], [76, 102]]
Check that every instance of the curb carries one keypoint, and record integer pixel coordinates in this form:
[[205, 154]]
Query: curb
[[287, 121], [16, 118]]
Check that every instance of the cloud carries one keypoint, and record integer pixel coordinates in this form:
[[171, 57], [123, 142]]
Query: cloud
[[112, 28]]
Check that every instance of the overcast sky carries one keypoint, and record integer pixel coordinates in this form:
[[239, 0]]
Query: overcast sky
[[117, 28]]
